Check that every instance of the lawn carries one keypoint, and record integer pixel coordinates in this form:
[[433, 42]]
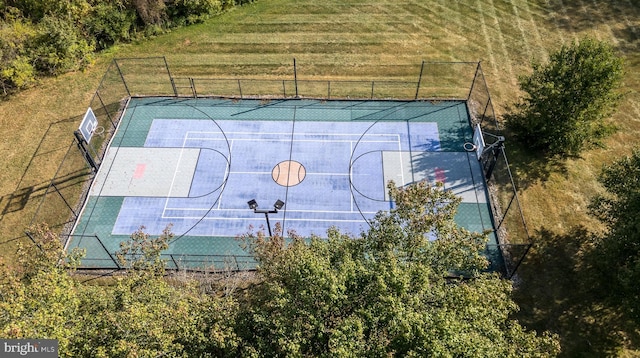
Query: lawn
[[356, 40]]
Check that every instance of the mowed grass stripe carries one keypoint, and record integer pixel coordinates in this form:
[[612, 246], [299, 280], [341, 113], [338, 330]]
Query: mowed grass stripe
[[499, 37], [487, 38], [513, 37], [603, 18], [345, 66], [521, 29], [360, 27], [622, 13], [531, 19], [309, 19]]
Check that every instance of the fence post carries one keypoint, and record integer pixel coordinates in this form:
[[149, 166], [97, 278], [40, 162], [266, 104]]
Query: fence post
[[193, 87], [28, 233], [173, 85], [295, 76], [473, 80], [419, 80], [174, 262], [124, 82], [526, 251], [104, 107], [53, 184], [107, 251], [372, 84], [328, 89], [239, 88]]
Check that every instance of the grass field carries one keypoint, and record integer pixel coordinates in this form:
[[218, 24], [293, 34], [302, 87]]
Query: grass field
[[356, 40]]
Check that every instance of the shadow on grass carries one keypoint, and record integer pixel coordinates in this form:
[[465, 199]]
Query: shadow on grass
[[530, 167], [581, 16], [33, 184], [560, 289]]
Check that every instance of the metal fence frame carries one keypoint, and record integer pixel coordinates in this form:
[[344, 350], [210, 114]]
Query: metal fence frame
[[150, 77]]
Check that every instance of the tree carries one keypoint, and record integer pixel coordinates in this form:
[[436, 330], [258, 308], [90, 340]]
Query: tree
[[619, 248], [385, 292], [139, 314], [16, 70], [59, 47], [143, 315], [567, 100], [110, 23], [38, 298]]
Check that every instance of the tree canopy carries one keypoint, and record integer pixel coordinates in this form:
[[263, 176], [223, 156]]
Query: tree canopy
[[567, 100], [42, 38], [619, 248], [397, 289], [391, 291]]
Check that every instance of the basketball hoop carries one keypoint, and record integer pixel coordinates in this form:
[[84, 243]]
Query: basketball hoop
[[99, 131], [469, 147]]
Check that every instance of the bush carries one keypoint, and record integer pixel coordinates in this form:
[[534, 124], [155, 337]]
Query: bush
[[194, 11], [36, 10], [109, 24], [40, 38], [568, 99], [16, 71], [17, 74], [59, 47]]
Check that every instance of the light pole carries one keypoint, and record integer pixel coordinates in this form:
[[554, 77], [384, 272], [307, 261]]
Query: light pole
[[253, 205]]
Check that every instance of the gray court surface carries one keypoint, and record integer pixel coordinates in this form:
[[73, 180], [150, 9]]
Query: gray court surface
[[153, 172], [455, 170]]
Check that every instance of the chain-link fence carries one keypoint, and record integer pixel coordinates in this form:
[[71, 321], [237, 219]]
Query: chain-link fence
[[133, 77], [510, 226]]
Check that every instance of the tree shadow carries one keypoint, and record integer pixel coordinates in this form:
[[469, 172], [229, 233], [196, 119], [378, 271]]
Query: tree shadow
[[559, 290], [581, 16], [530, 167]]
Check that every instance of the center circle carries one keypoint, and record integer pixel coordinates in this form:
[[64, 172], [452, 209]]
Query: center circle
[[288, 173]]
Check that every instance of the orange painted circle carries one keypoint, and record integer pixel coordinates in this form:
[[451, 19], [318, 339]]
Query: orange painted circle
[[288, 173]]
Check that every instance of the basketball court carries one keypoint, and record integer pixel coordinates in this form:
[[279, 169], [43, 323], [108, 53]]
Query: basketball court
[[214, 168]]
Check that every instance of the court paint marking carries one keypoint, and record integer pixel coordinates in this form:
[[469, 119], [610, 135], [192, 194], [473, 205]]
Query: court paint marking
[[142, 172], [213, 218], [192, 135], [401, 164], [226, 176], [351, 197], [177, 170], [139, 172]]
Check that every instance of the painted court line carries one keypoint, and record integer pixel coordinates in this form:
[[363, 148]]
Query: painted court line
[[197, 135], [226, 176]]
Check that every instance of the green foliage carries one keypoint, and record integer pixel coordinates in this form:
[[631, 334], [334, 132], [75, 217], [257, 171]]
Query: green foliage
[[59, 47], [385, 292], [110, 23], [194, 11], [147, 317], [36, 10], [567, 100], [619, 247], [38, 297], [143, 253], [138, 315], [16, 70], [43, 38]]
